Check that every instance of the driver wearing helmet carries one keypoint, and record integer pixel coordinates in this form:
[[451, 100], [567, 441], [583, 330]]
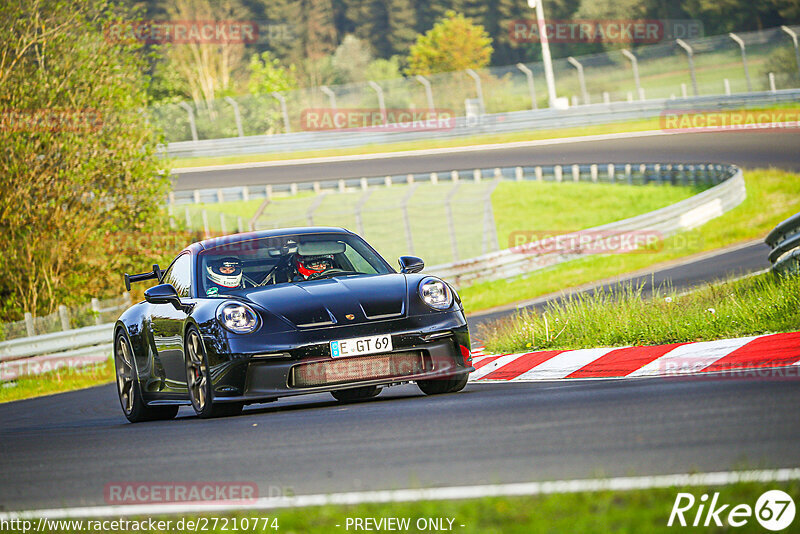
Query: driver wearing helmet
[[224, 273], [307, 266]]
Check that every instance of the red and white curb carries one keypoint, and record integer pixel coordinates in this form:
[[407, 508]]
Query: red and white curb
[[677, 359]]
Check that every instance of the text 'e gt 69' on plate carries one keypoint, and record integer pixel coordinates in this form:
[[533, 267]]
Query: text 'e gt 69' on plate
[[253, 317]]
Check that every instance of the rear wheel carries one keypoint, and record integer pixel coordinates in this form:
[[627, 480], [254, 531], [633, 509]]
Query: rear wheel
[[198, 381], [356, 394], [442, 385], [130, 395]]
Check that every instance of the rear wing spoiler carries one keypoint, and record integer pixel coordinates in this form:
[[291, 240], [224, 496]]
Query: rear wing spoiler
[[155, 274]]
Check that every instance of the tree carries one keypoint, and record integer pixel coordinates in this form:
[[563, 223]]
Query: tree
[[351, 59], [454, 43], [267, 75], [78, 161]]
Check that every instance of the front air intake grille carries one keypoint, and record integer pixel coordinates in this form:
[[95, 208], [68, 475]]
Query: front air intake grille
[[357, 368]]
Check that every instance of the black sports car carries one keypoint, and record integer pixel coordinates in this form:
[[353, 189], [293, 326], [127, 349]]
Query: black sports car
[[253, 317]]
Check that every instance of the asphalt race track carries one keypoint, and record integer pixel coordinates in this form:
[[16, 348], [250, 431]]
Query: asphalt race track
[[62, 450], [757, 148]]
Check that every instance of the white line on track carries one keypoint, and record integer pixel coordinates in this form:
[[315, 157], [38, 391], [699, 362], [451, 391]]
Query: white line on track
[[432, 494]]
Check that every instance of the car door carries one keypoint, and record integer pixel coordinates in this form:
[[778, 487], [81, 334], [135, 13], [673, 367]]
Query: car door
[[167, 325]]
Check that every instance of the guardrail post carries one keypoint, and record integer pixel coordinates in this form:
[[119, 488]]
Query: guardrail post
[[409, 178], [772, 88], [684, 91], [474, 75], [454, 176], [188, 217], [293, 189], [690, 56], [576, 172], [538, 171], [284, 111], [359, 208], [342, 186], [222, 226], [196, 196], [220, 196], [313, 207], [451, 225], [190, 113], [406, 219], [558, 172], [331, 95], [581, 78], [611, 171], [236, 115], [518, 174], [476, 175], [245, 193], [428, 91], [381, 102], [96, 310], [206, 231], [628, 175], [606, 98], [741, 44], [434, 178], [531, 86], [793, 35], [29, 324], [387, 181], [489, 240], [727, 84], [635, 66], [593, 171]]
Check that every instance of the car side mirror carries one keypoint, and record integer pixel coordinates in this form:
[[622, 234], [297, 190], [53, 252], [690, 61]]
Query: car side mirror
[[410, 264], [163, 294]]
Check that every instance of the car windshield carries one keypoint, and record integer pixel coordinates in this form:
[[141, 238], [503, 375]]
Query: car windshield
[[238, 267]]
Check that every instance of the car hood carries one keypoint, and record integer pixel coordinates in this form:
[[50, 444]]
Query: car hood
[[339, 300]]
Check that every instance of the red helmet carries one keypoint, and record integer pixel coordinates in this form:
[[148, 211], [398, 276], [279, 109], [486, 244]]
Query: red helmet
[[308, 265]]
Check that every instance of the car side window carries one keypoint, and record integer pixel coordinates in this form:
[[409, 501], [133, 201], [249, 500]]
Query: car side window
[[180, 275]]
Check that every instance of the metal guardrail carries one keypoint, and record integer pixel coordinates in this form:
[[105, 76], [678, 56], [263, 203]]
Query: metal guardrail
[[585, 115], [683, 215], [784, 240]]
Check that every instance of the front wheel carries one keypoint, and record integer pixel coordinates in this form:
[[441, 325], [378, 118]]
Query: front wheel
[[130, 394], [437, 386], [198, 381]]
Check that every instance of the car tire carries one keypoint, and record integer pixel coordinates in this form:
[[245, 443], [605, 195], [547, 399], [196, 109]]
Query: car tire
[[128, 388], [443, 385], [198, 381], [356, 394]]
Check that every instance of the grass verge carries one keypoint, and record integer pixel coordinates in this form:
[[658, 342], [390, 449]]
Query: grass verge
[[586, 512], [754, 305], [57, 382], [772, 196], [512, 137]]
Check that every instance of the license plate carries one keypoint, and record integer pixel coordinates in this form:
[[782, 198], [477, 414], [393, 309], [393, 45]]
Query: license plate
[[361, 345]]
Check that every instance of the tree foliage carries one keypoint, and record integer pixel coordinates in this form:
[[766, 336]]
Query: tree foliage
[[77, 164], [454, 43]]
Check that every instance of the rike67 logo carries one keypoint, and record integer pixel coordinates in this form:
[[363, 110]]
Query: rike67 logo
[[774, 510]]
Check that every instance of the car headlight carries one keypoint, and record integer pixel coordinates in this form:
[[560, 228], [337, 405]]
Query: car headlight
[[435, 293], [237, 317]]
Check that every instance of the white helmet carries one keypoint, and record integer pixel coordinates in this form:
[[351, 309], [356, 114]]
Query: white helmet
[[225, 272]]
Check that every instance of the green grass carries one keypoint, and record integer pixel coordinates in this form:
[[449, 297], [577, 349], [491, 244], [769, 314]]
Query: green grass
[[517, 206], [585, 512], [57, 382], [761, 304], [772, 195]]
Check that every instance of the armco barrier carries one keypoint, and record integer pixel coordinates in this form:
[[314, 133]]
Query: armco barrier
[[683, 215], [785, 242], [486, 124]]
